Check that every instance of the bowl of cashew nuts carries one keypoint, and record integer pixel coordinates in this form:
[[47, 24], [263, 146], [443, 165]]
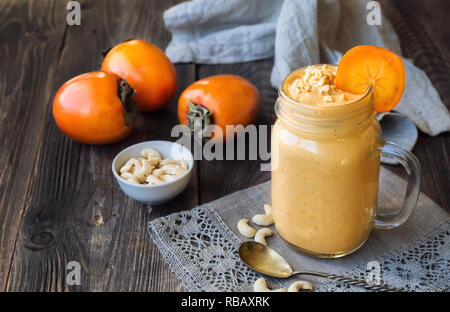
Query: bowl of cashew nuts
[[153, 172]]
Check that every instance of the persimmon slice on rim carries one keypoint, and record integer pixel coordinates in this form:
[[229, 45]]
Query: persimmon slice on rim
[[363, 66]]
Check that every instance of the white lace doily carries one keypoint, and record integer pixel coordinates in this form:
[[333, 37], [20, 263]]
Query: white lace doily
[[422, 266], [202, 252]]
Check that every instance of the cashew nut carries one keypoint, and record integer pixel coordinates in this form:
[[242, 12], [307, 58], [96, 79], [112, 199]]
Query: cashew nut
[[296, 286], [261, 286], [176, 170], [263, 219], [153, 157], [151, 169], [152, 180], [169, 161], [142, 169], [261, 235], [158, 172], [168, 177], [245, 229], [128, 165], [129, 177]]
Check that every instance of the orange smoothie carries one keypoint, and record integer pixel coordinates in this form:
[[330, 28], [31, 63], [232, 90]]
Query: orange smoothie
[[325, 164]]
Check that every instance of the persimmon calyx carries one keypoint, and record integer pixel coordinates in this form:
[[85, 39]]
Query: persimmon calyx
[[127, 96], [199, 119]]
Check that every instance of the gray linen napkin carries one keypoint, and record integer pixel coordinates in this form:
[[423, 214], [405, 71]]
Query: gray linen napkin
[[297, 33], [200, 245]]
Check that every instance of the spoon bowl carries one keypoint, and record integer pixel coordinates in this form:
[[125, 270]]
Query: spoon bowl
[[264, 260]]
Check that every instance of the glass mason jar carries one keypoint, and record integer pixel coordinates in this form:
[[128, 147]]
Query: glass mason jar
[[325, 171]]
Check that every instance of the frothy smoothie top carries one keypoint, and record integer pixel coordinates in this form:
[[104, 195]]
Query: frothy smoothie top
[[316, 85]]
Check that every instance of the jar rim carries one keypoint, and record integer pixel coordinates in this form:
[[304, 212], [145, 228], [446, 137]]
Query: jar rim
[[313, 118], [282, 93]]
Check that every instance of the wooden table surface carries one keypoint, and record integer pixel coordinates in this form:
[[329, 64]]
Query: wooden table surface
[[52, 189]]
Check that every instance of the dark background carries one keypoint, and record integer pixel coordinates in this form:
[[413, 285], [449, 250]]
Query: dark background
[[53, 190]]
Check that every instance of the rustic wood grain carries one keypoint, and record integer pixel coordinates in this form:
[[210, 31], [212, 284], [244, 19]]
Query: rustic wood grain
[[423, 30], [29, 47], [72, 185], [53, 190]]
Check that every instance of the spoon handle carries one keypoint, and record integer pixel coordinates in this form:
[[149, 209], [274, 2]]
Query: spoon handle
[[348, 280]]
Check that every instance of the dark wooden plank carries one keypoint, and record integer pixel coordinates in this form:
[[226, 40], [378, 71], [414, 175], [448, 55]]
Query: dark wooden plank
[[218, 178], [433, 154], [423, 31], [73, 186], [30, 39]]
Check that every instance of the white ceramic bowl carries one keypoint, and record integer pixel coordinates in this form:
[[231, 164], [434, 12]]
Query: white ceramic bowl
[[160, 193]]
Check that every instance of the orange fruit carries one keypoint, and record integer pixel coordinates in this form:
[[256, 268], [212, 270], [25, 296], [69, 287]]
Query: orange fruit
[[364, 66], [220, 100], [95, 108], [147, 69]]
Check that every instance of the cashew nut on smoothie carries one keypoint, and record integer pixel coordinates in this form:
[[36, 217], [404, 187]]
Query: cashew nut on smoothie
[[325, 163]]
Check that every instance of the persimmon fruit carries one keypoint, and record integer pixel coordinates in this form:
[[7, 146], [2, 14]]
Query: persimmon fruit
[[147, 69], [364, 66], [95, 108], [220, 100]]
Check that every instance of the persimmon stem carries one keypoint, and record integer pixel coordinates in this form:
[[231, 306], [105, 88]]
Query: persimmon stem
[[198, 113], [106, 52], [129, 106]]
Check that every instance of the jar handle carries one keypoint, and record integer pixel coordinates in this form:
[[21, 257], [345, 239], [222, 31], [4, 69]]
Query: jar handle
[[414, 171]]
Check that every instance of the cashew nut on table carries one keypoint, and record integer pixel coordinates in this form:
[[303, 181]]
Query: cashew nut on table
[[296, 286], [264, 219], [245, 229], [261, 235], [261, 286]]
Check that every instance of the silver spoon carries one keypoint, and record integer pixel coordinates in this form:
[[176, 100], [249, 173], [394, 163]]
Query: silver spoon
[[268, 262]]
